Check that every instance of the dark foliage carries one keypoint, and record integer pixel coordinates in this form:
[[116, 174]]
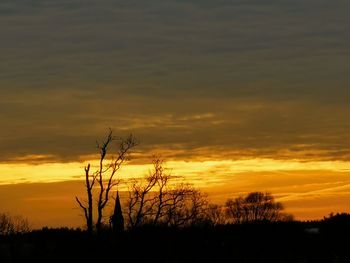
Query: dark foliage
[[259, 242], [255, 207]]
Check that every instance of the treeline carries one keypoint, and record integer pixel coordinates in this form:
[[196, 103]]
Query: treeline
[[282, 242]]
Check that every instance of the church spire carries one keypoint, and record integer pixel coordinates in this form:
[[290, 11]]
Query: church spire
[[117, 219]]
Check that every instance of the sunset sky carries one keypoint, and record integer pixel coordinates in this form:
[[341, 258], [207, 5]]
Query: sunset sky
[[236, 95]]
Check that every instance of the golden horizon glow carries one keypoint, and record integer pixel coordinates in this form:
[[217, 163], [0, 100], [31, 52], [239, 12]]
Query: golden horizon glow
[[14, 173], [309, 190]]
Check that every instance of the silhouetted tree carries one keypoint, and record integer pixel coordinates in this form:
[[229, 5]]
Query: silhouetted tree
[[215, 214], [186, 206], [13, 224], [256, 206], [141, 200], [155, 200], [88, 209], [104, 178]]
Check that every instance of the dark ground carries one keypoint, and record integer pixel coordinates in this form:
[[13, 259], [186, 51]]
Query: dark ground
[[327, 241]]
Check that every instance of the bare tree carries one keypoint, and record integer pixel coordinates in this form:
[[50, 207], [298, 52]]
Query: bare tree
[[256, 206], [104, 177], [162, 196], [186, 206], [88, 209], [180, 207], [156, 200], [141, 200], [215, 214], [13, 224], [235, 210], [139, 205]]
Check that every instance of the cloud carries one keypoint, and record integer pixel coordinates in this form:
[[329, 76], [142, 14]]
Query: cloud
[[66, 125], [223, 78], [160, 44]]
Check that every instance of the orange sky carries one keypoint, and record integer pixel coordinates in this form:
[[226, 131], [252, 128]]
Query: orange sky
[[310, 190]]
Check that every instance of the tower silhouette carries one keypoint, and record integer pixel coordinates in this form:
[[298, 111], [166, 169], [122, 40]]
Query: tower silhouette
[[117, 219]]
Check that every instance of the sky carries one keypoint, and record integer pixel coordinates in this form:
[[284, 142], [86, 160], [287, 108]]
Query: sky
[[254, 92]]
